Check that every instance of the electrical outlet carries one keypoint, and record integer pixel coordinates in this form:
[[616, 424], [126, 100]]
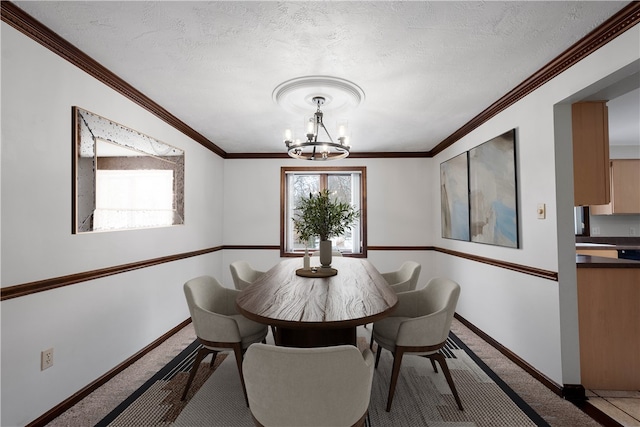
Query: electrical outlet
[[595, 231], [632, 231], [46, 359]]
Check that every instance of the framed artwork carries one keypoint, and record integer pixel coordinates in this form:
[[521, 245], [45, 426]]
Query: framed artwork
[[493, 191], [454, 198]]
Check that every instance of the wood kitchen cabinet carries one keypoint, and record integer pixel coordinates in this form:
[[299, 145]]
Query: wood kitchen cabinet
[[625, 189], [609, 327], [590, 128]]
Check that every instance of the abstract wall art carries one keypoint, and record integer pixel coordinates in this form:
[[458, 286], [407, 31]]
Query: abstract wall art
[[493, 191], [454, 195]]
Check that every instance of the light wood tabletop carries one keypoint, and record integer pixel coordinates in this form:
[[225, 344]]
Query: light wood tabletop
[[318, 311]]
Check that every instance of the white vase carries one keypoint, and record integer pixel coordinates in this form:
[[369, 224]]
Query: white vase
[[325, 253], [306, 263]]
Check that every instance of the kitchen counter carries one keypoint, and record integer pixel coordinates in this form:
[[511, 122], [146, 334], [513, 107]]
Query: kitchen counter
[[605, 243], [609, 322], [606, 246], [608, 313], [610, 247], [590, 261]]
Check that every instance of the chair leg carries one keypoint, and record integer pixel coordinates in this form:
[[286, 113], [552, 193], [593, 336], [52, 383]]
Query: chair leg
[[371, 342], [237, 349], [433, 363], [397, 360], [202, 353], [213, 358], [378, 356], [445, 370]]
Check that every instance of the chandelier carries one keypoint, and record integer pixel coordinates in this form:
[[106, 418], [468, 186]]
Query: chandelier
[[313, 148]]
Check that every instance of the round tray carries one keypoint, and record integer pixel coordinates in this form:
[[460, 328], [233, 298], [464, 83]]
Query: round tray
[[317, 272]]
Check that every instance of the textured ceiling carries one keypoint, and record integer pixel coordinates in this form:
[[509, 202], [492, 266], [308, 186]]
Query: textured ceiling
[[426, 68]]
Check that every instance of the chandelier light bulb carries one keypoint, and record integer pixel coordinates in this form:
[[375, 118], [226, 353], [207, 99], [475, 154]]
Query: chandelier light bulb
[[343, 128], [311, 131]]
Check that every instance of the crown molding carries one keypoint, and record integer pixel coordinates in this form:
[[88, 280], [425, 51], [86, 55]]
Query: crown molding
[[625, 19], [352, 155], [34, 29]]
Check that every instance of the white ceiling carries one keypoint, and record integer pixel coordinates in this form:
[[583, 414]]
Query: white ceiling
[[426, 68]]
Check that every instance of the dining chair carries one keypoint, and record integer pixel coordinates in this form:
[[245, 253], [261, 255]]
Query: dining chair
[[218, 325], [304, 387], [404, 279], [333, 253], [420, 325], [243, 274]]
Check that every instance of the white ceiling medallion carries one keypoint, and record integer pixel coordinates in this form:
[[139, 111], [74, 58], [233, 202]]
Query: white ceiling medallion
[[297, 95], [333, 94]]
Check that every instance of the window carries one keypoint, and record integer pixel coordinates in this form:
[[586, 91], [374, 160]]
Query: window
[[133, 199], [347, 183], [581, 220]]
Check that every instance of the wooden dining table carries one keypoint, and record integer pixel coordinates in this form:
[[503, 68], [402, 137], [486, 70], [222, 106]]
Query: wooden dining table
[[318, 311]]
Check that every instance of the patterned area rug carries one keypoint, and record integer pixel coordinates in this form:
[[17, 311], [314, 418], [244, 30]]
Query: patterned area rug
[[422, 396]]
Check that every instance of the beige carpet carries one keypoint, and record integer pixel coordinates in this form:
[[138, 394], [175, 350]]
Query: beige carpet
[[555, 410], [423, 397]]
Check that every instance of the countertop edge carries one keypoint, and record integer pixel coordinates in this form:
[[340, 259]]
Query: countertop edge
[[590, 261]]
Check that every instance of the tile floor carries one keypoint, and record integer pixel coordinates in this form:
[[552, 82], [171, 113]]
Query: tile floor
[[622, 406]]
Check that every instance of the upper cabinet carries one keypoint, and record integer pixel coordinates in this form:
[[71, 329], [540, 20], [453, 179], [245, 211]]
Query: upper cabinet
[[590, 128], [625, 189]]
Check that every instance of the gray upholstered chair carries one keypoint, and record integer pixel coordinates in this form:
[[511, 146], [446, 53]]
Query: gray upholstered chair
[[243, 274], [420, 325], [404, 279], [323, 386], [217, 323]]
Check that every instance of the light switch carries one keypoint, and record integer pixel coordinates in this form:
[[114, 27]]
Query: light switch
[[542, 211]]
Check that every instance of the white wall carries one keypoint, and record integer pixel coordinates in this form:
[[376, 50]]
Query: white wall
[[539, 322], [93, 326], [615, 225], [399, 196]]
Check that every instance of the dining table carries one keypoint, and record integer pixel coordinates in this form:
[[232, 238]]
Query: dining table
[[309, 308]]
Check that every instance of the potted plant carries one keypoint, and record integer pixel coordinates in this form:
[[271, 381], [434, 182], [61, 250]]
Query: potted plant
[[325, 217]]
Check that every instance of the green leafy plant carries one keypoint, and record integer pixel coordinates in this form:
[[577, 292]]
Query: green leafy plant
[[320, 215]]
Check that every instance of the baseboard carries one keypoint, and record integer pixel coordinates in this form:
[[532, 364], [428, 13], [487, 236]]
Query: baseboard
[[66, 404], [574, 393], [549, 383]]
